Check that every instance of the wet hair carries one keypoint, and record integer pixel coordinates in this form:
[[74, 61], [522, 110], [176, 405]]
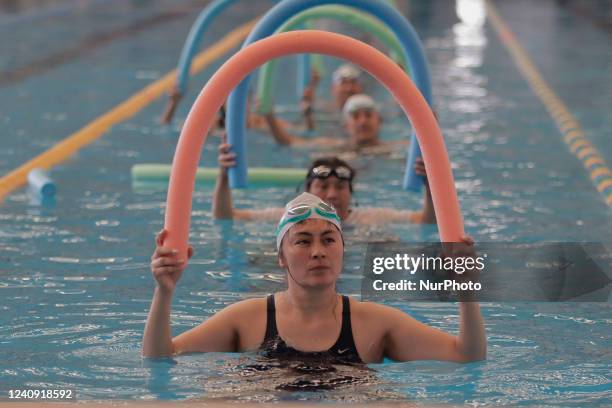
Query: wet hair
[[332, 162]]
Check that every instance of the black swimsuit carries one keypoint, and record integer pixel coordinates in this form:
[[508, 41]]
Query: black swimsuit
[[342, 352]]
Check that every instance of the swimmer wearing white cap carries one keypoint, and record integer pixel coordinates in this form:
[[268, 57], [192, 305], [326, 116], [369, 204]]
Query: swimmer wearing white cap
[[345, 83], [362, 122], [310, 317]]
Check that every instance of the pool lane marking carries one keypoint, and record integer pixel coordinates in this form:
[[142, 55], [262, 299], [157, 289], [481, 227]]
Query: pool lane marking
[[570, 128], [96, 128]]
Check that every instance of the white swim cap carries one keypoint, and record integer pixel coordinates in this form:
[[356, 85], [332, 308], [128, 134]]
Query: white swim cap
[[357, 102], [345, 71], [302, 207]]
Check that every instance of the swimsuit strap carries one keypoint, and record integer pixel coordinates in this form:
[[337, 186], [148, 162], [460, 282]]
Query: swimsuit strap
[[271, 330], [344, 347], [345, 340]]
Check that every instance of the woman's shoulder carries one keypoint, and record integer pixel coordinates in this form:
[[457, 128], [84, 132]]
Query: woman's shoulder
[[246, 308], [371, 311]]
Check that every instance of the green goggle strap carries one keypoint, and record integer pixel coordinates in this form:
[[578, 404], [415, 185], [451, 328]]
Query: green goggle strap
[[297, 218], [326, 214]]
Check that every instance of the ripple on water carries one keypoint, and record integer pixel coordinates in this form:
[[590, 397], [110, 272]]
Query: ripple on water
[[85, 261], [107, 238], [107, 223], [57, 331]]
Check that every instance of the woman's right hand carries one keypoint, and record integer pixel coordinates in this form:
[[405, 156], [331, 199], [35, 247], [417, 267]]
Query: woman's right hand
[[165, 266]]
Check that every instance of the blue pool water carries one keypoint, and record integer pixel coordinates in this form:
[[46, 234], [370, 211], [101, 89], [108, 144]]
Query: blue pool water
[[74, 278]]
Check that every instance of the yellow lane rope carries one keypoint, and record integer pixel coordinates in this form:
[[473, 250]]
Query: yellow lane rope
[[96, 128], [573, 135]]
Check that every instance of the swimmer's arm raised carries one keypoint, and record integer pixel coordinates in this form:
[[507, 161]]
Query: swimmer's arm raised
[[427, 215], [167, 270], [472, 340], [217, 334], [222, 202], [285, 138], [222, 206], [225, 331], [157, 339], [308, 97], [279, 132], [408, 339]]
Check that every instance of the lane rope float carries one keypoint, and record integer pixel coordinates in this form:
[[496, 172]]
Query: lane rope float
[[96, 128], [573, 134]]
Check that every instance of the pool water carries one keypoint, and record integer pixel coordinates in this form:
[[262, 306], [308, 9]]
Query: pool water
[[74, 278]]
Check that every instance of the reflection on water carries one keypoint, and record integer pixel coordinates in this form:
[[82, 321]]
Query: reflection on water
[[258, 379]]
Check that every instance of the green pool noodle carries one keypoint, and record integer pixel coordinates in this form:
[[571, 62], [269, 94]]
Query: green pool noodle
[[347, 14], [260, 176]]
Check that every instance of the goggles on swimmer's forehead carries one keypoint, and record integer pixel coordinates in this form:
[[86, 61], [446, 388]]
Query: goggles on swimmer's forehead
[[304, 211], [323, 172]]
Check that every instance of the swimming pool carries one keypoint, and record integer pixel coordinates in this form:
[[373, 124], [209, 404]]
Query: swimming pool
[[75, 281]]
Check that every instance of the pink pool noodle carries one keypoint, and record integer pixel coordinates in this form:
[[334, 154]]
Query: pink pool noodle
[[204, 109]]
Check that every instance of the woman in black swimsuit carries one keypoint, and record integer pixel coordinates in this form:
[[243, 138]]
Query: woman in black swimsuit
[[310, 320]]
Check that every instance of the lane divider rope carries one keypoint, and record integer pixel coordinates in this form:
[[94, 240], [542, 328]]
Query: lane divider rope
[[96, 128], [572, 132]]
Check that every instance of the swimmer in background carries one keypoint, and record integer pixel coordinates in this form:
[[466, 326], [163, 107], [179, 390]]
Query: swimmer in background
[[345, 83], [362, 122], [331, 179], [310, 320]]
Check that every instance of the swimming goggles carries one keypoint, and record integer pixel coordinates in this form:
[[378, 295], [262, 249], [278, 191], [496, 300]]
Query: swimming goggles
[[323, 172], [304, 211], [305, 206]]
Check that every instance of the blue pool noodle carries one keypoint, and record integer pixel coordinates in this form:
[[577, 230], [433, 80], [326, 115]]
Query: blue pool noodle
[[272, 20], [40, 182], [205, 18]]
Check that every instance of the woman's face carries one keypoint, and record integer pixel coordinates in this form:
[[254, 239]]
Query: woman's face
[[363, 126], [335, 191], [346, 88], [313, 252]]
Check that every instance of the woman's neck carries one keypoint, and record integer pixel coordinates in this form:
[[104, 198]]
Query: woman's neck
[[310, 302]]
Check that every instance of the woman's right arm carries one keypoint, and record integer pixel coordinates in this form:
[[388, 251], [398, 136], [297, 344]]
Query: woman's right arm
[[157, 339], [279, 132], [219, 333], [167, 270]]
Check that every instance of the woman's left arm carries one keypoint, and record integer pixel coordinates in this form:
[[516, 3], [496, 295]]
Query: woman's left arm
[[407, 339]]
